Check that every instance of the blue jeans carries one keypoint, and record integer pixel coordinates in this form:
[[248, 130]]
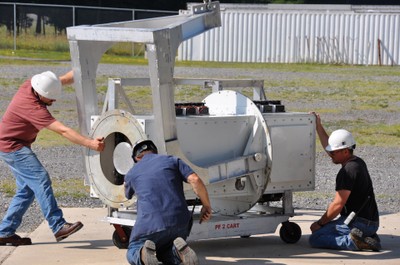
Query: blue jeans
[[32, 181], [165, 249], [336, 235]]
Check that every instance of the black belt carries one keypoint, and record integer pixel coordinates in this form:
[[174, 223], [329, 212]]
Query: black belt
[[366, 221]]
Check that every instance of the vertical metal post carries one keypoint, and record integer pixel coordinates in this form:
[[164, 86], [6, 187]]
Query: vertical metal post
[[15, 27], [111, 101], [288, 203], [84, 59], [161, 70], [73, 15]]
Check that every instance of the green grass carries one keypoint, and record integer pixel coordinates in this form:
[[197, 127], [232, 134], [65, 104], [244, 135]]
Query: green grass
[[8, 186], [28, 40], [378, 134], [369, 134], [355, 85], [47, 138], [21, 56], [74, 188], [359, 90]]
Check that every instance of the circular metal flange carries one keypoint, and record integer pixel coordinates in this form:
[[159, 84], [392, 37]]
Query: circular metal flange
[[106, 169], [227, 197]]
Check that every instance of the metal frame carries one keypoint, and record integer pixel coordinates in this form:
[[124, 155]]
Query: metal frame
[[260, 219], [162, 37], [250, 166], [237, 178]]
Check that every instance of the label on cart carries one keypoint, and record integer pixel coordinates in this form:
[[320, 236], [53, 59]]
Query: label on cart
[[221, 226], [227, 226]]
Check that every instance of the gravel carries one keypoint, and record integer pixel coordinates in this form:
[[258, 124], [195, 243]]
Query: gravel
[[66, 162]]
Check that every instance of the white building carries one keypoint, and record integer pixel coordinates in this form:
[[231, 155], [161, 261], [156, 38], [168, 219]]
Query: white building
[[359, 35]]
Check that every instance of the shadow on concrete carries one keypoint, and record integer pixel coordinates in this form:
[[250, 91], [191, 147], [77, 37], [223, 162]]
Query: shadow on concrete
[[81, 244], [262, 250]]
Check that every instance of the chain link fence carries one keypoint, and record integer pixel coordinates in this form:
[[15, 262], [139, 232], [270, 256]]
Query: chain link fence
[[43, 27]]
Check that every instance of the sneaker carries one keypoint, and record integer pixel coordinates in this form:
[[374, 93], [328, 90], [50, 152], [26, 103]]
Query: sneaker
[[148, 253], [67, 230], [187, 255], [15, 240], [367, 243]]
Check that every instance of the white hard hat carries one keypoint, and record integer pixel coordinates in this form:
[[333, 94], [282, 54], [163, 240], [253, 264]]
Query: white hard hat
[[47, 84], [340, 139], [142, 146]]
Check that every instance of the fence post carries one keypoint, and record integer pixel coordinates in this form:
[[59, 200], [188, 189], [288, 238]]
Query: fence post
[[15, 26], [379, 52]]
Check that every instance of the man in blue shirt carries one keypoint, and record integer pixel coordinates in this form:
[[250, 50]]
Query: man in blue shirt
[[163, 220]]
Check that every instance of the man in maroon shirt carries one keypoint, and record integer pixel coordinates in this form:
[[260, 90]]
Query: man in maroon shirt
[[25, 116]]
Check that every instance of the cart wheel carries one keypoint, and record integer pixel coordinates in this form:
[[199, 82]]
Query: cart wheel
[[290, 232], [118, 242]]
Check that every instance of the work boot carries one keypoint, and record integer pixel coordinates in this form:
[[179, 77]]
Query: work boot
[[148, 253], [376, 237], [15, 240], [67, 230], [364, 243], [187, 255]]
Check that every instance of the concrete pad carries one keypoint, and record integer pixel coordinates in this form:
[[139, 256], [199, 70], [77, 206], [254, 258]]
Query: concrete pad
[[93, 245]]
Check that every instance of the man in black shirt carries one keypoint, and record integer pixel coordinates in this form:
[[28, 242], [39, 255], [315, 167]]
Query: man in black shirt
[[356, 227]]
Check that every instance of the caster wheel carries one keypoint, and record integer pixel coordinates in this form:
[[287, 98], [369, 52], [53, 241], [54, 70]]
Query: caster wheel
[[290, 232], [122, 243]]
